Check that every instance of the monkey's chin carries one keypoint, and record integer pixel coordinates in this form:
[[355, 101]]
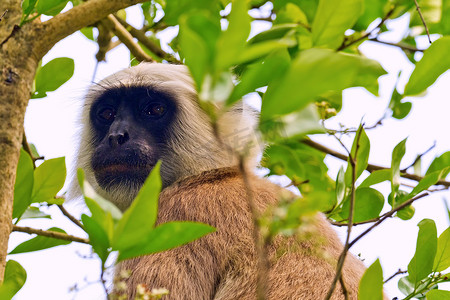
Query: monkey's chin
[[111, 176]]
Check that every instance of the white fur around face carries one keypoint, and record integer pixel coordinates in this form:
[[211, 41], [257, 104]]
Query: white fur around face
[[192, 145]]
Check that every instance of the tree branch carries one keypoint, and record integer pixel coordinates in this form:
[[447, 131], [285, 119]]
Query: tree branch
[[370, 167], [126, 38], [50, 234], [387, 215], [87, 13], [153, 47]]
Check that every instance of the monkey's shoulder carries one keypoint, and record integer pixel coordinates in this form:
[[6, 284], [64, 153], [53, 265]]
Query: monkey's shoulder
[[226, 182]]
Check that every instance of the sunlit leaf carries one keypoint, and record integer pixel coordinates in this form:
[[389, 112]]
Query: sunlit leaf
[[14, 279], [313, 73], [397, 155], [371, 284], [368, 205], [434, 63], [34, 213], [439, 163], [360, 153], [166, 236], [231, 42], [40, 243], [332, 19], [23, 186], [52, 75], [49, 179], [421, 265], [139, 219], [376, 177], [98, 237], [442, 259], [438, 295], [50, 7]]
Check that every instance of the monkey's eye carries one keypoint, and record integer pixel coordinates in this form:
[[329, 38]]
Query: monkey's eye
[[154, 110], [106, 114]]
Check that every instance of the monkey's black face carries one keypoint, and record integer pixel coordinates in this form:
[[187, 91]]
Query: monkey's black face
[[130, 126]]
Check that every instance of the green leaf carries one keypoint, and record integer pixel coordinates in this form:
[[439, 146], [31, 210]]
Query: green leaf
[[101, 217], [445, 17], [438, 295], [198, 36], [397, 155], [260, 74], [376, 177], [406, 213], [15, 277], [368, 205], [313, 73], [231, 42], [138, 220], [291, 13], [332, 19], [50, 7], [28, 6], [276, 32], [24, 184], [88, 32], [373, 9], [49, 179], [166, 236], [421, 265], [52, 75], [360, 152], [40, 243], [371, 284], [427, 181], [405, 285], [98, 237], [442, 259], [176, 8], [399, 109], [434, 62], [439, 163]]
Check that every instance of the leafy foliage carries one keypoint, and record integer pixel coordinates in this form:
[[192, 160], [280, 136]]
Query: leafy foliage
[[299, 68]]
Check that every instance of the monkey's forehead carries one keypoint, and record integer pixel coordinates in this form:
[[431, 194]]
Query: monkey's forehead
[[162, 77]]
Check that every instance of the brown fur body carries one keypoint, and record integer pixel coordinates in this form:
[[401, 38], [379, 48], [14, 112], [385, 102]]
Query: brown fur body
[[222, 265]]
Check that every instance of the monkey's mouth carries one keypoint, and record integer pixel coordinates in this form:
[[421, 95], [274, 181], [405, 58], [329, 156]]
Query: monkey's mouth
[[111, 175]]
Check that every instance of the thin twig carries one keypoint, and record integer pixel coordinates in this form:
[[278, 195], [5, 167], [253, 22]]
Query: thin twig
[[3, 14], [387, 215], [399, 272], [423, 20], [50, 234], [71, 218], [419, 157], [367, 34], [399, 45], [126, 38], [341, 260], [344, 288], [370, 167], [27, 149]]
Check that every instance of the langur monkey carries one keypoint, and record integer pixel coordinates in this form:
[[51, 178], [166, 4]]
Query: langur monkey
[[150, 112]]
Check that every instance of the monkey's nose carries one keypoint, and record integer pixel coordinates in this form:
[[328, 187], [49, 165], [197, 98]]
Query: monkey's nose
[[117, 139]]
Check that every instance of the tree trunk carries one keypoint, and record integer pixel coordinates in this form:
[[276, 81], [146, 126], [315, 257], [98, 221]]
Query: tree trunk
[[17, 69], [21, 49]]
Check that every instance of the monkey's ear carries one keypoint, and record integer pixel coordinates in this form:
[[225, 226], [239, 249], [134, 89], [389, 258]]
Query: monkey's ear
[[238, 128]]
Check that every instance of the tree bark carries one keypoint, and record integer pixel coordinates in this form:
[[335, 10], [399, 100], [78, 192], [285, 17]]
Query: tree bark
[[21, 49]]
